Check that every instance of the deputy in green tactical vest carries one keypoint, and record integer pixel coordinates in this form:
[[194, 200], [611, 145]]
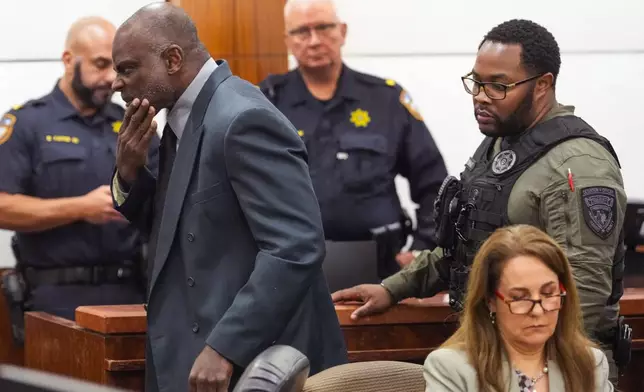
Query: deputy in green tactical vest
[[538, 164]]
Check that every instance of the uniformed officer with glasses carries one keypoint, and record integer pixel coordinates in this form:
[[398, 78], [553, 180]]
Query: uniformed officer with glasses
[[360, 132]]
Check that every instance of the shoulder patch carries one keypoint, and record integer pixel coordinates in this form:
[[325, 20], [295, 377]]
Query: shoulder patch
[[599, 205], [408, 103], [6, 127]]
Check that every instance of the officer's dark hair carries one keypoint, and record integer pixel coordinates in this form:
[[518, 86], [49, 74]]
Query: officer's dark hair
[[540, 52]]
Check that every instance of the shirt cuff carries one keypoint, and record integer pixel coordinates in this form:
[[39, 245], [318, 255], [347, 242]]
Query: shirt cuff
[[117, 192]]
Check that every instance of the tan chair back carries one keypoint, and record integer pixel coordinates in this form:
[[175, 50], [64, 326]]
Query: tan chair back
[[373, 376]]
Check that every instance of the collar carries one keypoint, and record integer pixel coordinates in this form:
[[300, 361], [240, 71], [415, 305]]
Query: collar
[[348, 84], [64, 108], [347, 87], [558, 110], [178, 115], [112, 112]]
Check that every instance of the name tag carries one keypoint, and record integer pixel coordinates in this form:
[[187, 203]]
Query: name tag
[[62, 139]]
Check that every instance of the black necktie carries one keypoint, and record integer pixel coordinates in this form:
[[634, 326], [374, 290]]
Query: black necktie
[[167, 153]]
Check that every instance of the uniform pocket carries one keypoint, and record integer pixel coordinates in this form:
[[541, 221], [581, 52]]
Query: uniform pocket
[[61, 152], [364, 161], [64, 170]]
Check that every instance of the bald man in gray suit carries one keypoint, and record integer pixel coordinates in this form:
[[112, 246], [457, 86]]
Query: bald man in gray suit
[[235, 230]]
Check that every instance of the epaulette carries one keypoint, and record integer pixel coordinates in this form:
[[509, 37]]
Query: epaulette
[[271, 82], [374, 80], [28, 104], [403, 95], [9, 118]]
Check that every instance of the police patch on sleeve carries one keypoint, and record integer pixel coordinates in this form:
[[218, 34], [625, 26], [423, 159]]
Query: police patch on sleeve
[[599, 205], [6, 127], [408, 103]]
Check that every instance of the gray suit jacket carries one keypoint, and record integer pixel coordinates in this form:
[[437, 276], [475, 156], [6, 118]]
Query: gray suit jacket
[[448, 370], [240, 249]]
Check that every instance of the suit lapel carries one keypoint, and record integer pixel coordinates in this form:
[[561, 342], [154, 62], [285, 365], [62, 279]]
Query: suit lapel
[[555, 378], [509, 373], [183, 167]]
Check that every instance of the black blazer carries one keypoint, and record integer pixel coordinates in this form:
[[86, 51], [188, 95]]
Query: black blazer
[[240, 248]]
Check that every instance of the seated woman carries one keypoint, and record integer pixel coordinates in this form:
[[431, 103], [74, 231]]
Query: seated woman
[[521, 327]]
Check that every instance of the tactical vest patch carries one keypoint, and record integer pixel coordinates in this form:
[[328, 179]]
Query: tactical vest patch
[[504, 161], [600, 210]]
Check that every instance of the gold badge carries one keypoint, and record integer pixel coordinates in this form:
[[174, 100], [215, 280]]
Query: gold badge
[[116, 126], [300, 132], [360, 118], [6, 127], [408, 103]]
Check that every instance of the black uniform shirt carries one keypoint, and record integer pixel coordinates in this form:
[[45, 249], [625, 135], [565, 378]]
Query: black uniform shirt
[[48, 150], [358, 142]]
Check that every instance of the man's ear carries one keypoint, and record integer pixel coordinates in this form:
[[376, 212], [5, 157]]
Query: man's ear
[[68, 61], [544, 83], [343, 31], [173, 56]]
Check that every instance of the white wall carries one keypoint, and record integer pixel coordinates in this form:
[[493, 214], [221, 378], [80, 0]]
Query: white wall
[[33, 35], [426, 45]]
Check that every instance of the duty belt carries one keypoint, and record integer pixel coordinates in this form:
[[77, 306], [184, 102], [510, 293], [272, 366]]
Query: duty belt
[[82, 275]]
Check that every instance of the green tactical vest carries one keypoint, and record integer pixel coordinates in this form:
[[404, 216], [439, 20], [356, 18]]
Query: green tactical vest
[[469, 211]]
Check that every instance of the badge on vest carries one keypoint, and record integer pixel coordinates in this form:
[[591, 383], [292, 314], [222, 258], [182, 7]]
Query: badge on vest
[[599, 205], [504, 161]]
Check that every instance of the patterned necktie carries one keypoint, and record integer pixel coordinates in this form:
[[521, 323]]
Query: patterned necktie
[[167, 153]]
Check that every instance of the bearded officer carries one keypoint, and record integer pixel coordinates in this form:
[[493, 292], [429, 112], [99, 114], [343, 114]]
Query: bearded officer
[[57, 155], [539, 164]]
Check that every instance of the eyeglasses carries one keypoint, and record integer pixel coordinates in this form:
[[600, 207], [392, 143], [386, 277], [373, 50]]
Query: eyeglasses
[[526, 305], [494, 90], [303, 33]]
